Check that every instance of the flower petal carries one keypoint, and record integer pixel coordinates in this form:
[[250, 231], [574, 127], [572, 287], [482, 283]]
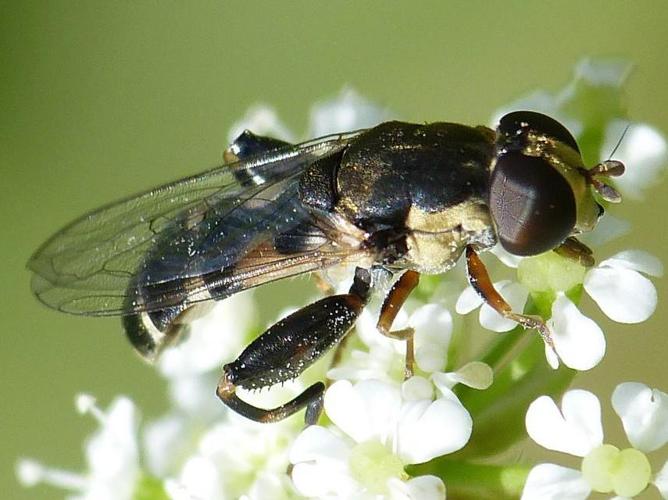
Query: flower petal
[[416, 388], [112, 453], [600, 73], [426, 488], [552, 357], [644, 414], [199, 478], [433, 330], [576, 429], [506, 257], [443, 385], [320, 461], [476, 374], [369, 334], [205, 349], [322, 479], [421, 434], [554, 482], [274, 485], [578, 340], [364, 411], [318, 443], [417, 488], [516, 295], [608, 229], [468, 301], [165, 439], [661, 480], [492, 320], [261, 119], [636, 260], [623, 295], [347, 111]]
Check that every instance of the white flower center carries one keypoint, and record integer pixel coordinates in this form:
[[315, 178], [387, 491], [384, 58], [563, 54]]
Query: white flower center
[[372, 465], [626, 472]]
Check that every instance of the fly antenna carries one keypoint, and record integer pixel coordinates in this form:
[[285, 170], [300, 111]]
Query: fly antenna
[[608, 168], [619, 142]]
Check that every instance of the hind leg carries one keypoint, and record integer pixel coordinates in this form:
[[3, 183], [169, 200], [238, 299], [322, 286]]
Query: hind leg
[[289, 347]]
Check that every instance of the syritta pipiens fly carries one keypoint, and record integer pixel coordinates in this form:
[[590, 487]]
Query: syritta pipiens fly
[[397, 198]]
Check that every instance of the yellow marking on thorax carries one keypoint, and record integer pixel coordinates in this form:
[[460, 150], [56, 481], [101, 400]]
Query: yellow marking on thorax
[[437, 239]]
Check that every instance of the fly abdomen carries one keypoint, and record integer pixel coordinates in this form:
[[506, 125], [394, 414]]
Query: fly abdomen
[[149, 332], [180, 301]]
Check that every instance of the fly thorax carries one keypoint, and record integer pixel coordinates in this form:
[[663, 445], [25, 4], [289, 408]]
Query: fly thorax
[[436, 239]]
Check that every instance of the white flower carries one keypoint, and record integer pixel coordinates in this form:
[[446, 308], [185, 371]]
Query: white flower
[[384, 358], [192, 369], [380, 428], [576, 429], [206, 451], [212, 339], [619, 288], [192, 366], [235, 458], [261, 119], [644, 414], [622, 293], [111, 453], [346, 112], [578, 341]]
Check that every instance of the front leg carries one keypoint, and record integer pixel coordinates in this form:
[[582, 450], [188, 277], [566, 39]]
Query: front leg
[[481, 283], [575, 250], [290, 346]]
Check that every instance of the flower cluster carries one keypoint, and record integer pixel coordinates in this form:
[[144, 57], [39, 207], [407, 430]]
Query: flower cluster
[[381, 424], [384, 436], [576, 429]]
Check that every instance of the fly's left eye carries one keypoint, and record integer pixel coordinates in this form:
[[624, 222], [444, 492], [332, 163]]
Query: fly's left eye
[[517, 122], [532, 204]]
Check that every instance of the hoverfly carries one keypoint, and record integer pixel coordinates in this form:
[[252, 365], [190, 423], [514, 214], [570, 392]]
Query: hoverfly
[[398, 198]]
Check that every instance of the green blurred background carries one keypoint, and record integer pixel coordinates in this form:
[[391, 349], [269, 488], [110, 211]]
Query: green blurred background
[[101, 99]]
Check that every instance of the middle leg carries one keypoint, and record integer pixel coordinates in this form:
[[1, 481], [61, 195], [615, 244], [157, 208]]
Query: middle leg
[[389, 310]]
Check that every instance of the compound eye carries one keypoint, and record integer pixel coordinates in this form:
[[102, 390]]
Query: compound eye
[[517, 122], [532, 205]]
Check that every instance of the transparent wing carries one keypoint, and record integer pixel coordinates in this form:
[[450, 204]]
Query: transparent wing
[[166, 238]]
